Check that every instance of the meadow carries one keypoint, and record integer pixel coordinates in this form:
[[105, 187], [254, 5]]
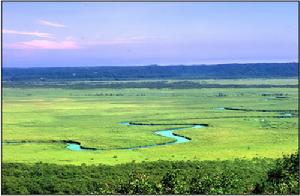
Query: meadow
[[37, 121]]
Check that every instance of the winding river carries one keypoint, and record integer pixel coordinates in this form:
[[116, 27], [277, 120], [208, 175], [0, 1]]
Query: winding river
[[75, 146], [169, 133]]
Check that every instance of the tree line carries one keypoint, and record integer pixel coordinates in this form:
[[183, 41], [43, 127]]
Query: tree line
[[256, 176], [138, 84], [220, 71]]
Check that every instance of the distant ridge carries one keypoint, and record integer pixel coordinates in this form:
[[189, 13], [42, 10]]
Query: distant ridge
[[218, 71]]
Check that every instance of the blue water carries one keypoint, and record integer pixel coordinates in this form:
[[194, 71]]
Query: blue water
[[125, 123], [287, 114], [165, 133], [75, 147], [169, 134]]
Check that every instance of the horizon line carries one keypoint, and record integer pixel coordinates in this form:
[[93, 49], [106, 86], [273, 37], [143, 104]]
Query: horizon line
[[148, 65]]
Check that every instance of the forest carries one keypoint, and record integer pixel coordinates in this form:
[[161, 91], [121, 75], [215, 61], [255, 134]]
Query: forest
[[220, 71], [256, 176]]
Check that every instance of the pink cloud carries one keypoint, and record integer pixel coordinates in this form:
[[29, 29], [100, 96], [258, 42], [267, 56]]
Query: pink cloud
[[51, 24], [35, 33], [69, 43], [46, 44]]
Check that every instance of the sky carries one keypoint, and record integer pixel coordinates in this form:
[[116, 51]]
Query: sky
[[57, 34]]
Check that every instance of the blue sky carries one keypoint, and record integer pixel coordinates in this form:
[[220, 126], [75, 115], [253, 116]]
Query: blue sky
[[105, 34]]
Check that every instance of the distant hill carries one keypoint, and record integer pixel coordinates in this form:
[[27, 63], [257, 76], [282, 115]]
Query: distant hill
[[221, 71]]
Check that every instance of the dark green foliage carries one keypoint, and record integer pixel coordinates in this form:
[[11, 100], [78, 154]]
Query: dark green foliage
[[138, 183], [170, 182], [160, 177], [283, 178]]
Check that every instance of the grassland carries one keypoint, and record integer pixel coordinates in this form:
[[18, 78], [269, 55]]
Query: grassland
[[40, 116]]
